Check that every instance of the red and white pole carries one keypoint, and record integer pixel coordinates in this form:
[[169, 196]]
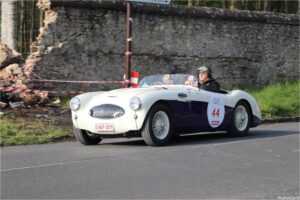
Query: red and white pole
[[134, 80]]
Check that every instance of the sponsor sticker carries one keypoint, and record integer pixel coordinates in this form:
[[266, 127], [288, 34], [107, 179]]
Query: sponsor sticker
[[215, 111]]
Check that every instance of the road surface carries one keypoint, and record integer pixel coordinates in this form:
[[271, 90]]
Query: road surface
[[263, 165]]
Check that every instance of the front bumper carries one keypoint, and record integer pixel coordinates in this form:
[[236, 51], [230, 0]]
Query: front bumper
[[123, 124]]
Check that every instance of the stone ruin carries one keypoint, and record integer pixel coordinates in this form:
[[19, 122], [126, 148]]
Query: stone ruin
[[12, 75]]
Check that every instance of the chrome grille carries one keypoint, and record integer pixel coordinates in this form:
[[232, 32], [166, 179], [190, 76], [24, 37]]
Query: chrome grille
[[107, 111]]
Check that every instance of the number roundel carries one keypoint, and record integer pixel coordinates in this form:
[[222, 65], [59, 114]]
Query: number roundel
[[215, 112]]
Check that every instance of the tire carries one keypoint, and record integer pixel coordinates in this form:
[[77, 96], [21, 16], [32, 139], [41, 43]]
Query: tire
[[241, 119], [84, 137], [158, 126]]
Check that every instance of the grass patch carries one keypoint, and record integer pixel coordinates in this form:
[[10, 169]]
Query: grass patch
[[16, 130], [65, 101], [278, 100]]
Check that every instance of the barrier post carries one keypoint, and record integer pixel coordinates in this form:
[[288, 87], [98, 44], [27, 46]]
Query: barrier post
[[134, 79], [128, 52]]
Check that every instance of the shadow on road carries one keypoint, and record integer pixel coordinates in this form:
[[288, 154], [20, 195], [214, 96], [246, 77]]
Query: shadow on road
[[213, 138], [224, 137]]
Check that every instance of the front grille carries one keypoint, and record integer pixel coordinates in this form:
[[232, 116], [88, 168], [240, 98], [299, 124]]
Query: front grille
[[107, 111]]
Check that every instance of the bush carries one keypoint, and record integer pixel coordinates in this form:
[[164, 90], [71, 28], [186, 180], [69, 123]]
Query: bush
[[278, 100]]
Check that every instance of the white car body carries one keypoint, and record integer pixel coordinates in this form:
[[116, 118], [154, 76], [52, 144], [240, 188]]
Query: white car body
[[174, 96]]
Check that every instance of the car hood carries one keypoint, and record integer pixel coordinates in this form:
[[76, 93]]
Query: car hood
[[122, 95], [114, 96]]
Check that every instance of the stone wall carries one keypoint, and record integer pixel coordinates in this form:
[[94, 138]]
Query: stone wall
[[85, 40]]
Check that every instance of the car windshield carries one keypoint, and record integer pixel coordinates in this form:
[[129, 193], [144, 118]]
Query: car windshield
[[169, 79]]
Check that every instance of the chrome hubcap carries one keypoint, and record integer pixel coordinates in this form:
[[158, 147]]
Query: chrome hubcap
[[160, 125], [241, 118]]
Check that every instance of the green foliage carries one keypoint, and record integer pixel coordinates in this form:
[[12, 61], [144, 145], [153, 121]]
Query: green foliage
[[278, 100], [28, 19], [65, 101], [289, 6], [18, 131]]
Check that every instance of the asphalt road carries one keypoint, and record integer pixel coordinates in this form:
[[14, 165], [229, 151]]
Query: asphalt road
[[264, 165]]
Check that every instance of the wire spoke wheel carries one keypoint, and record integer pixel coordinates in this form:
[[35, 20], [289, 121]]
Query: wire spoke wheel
[[241, 118], [160, 125]]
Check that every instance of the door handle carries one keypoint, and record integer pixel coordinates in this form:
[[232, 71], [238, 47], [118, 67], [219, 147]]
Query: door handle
[[182, 95]]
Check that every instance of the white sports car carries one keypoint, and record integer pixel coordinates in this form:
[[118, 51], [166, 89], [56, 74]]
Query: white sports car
[[162, 107]]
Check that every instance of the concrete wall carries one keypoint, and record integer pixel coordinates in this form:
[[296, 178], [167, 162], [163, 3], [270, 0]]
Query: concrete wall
[[85, 40]]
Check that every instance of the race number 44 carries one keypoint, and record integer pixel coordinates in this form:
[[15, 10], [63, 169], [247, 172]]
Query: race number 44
[[215, 112]]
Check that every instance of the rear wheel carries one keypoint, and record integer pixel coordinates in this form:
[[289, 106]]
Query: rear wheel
[[85, 137], [240, 119], [158, 126]]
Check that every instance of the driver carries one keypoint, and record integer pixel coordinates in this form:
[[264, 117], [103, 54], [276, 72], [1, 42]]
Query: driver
[[206, 80]]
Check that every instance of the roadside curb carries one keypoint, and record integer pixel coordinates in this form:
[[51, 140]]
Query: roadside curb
[[280, 120]]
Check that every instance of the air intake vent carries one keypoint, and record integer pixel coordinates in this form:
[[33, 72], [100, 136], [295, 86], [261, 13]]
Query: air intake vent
[[107, 111]]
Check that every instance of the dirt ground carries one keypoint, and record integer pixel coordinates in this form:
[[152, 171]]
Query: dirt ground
[[53, 116]]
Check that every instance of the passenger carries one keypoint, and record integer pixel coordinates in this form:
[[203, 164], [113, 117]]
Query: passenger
[[206, 80], [167, 80]]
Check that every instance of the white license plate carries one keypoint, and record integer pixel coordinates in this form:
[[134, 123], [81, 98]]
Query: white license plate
[[104, 127]]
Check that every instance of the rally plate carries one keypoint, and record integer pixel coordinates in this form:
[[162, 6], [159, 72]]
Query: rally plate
[[100, 127]]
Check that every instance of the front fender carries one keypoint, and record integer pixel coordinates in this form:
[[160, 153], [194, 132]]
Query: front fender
[[148, 100]]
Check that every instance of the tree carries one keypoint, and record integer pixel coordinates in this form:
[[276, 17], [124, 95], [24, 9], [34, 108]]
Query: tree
[[285, 6], [267, 5], [234, 5], [258, 5], [7, 24], [292, 7], [29, 19]]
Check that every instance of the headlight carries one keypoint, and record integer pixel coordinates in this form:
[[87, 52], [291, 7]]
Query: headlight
[[74, 104], [135, 103]]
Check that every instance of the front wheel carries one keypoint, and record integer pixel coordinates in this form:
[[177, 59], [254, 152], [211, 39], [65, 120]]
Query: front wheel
[[158, 127], [240, 119], [85, 137]]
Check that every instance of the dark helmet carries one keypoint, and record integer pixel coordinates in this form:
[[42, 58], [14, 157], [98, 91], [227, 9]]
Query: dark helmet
[[204, 69]]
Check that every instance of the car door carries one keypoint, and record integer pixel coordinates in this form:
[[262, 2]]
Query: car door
[[188, 111], [209, 111], [199, 110], [198, 120]]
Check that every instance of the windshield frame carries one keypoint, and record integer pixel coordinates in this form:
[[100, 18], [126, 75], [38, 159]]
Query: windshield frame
[[169, 79]]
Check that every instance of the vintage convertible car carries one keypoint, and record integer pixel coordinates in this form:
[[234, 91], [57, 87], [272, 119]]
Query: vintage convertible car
[[162, 107]]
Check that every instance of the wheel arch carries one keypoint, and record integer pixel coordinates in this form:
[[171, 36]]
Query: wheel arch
[[160, 101], [164, 102], [238, 95]]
